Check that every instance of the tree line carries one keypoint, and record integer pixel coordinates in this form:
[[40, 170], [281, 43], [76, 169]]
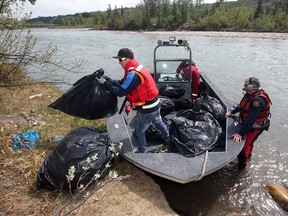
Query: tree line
[[240, 15]]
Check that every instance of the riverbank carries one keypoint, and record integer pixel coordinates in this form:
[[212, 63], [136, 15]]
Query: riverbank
[[262, 35], [229, 34], [25, 108]]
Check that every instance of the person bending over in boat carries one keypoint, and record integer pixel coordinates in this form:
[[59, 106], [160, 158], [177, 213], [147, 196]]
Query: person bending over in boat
[[184, 65], [254, 111], [141, 91]]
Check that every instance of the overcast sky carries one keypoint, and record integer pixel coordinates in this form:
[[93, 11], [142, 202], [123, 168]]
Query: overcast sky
[[64, 7]]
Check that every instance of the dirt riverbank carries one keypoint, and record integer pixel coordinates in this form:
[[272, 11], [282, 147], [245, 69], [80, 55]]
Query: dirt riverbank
[[136, 195]]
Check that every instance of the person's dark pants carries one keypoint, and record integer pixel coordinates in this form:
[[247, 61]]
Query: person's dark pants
[[246, 152]]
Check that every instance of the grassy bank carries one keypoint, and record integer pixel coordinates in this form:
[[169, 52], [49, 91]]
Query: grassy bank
[[135, 195]]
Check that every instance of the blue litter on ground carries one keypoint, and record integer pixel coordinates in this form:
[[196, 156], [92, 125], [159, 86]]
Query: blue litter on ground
[[57, 139], [27, 139]]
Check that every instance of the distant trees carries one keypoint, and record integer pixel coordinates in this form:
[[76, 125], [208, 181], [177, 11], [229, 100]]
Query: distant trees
[[241, 15], [271, 15]]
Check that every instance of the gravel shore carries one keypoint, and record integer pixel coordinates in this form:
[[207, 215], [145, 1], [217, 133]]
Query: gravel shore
[[260, 35]]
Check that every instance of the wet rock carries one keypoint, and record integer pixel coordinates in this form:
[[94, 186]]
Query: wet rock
[[279, 193]]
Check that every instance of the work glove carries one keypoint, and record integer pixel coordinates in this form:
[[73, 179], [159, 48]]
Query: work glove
[[107, 78], [101, 80]]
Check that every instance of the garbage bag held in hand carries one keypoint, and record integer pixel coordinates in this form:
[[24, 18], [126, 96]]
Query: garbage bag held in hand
[[85, 148], [87, 99]]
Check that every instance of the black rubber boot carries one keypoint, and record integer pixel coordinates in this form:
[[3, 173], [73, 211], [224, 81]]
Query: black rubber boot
[[242, 160]]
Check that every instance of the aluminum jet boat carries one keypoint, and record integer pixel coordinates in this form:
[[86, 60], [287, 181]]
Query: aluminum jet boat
[[173, 165]]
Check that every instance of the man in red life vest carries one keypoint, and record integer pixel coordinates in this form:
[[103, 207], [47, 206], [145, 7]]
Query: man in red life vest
[[254, 111], [141, 91], [195, 76]]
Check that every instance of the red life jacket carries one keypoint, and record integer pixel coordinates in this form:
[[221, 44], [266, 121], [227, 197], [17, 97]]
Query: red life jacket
[[245, 106], [147, 90]]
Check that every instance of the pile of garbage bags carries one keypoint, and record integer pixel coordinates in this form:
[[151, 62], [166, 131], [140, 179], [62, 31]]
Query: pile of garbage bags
[[194, 128], [192, 133]]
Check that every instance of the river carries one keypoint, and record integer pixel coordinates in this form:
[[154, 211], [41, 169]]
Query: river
[[227, 60]]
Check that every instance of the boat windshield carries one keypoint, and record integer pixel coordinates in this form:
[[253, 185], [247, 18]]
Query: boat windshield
[[172, 71]]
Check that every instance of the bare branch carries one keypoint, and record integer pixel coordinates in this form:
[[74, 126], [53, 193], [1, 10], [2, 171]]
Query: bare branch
[[99, 186], [17, 48]]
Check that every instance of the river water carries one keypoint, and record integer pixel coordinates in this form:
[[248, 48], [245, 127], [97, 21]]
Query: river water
[[227, 61]]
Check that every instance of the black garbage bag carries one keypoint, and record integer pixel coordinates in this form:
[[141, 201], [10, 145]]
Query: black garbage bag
[[153, 134], [192, 133], [211, 105], [87, 99], [182, 103], [167, 105], [168, 119], [171, 91], [74, 150]]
